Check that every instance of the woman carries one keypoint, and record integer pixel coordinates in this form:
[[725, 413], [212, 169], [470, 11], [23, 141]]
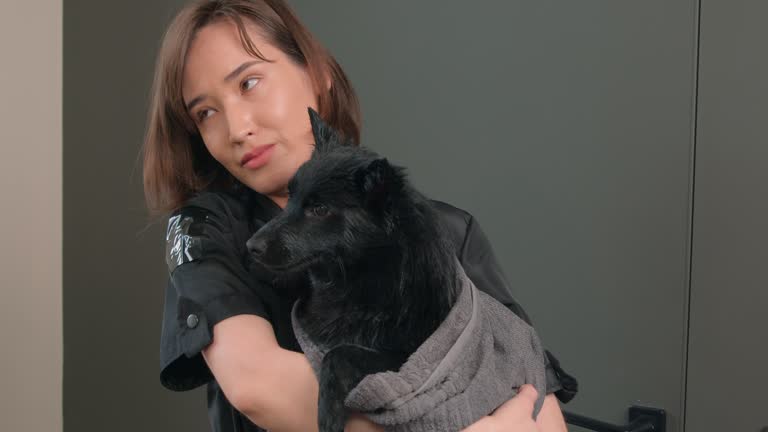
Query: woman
[[227, 128]]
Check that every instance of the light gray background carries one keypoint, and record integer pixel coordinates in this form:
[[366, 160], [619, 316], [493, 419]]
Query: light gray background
[[615, 153], [30, 221]]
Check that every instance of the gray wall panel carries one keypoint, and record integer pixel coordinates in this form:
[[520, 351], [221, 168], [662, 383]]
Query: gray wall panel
[[114, 270], [727, 374]]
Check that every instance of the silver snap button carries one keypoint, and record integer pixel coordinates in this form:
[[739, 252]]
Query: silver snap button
[[192, 321]]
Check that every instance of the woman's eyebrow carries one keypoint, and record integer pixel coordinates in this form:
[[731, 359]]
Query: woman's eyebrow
[[229, 77]]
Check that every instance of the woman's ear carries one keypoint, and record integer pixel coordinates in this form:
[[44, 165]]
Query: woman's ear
[[327, 78]]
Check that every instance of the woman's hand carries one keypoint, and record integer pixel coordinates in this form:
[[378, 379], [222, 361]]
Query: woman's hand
[[360, 423], [514, 415]]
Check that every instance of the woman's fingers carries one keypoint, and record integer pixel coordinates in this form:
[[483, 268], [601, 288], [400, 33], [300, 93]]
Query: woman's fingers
[[520, 405], [516, 414]]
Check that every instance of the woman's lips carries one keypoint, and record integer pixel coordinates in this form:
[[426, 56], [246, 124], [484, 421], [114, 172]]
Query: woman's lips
[[258, 157]]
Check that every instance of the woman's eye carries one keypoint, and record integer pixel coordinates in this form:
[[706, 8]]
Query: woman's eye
[[201, 115], [245, 83]]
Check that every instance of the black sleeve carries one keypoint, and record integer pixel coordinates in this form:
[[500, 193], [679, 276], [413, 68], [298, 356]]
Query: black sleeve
[[482, 267], [207, 283]]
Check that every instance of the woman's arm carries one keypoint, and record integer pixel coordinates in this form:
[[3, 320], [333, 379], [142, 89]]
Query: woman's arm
[[274, 387], [279, 391]]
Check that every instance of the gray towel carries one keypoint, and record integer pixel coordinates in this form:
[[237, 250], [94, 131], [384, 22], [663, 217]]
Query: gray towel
[[476, 360]]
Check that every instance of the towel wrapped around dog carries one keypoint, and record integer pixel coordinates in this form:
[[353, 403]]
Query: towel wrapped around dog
[[476, 360]]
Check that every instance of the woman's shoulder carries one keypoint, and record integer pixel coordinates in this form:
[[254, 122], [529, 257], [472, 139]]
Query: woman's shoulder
[[455, 220], [451, 211], [210, 201]]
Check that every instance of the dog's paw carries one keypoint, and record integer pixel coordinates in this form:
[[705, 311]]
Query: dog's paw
[[331, 421], [331, 424], [331, 414]]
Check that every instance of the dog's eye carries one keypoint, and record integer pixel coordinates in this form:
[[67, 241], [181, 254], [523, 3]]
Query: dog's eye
[[319, 210]]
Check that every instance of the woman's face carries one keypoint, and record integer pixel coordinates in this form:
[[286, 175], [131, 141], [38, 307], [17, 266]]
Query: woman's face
[[241, 108]]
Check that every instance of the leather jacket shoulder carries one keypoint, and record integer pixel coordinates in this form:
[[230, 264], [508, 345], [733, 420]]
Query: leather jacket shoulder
[[476, 255]]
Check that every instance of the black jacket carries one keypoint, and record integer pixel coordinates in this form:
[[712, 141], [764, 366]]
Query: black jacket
[[209, 281]]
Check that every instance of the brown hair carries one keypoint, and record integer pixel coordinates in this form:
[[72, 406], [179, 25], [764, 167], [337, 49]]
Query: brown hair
[[176, 162]]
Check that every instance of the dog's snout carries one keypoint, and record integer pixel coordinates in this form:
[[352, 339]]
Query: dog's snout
[[256, 245]]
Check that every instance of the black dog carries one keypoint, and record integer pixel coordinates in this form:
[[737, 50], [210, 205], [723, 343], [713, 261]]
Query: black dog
[[382, 274]]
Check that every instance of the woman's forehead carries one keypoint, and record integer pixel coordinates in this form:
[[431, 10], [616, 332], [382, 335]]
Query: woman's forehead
[[216, 51]]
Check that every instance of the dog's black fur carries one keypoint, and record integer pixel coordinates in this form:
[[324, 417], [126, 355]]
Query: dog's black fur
[[382, 273]]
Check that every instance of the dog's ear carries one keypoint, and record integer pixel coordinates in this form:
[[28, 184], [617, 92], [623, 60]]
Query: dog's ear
[[379, 181], [325, 136]]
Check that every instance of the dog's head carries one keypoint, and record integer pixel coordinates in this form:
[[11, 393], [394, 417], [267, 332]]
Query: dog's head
[[342, 202]]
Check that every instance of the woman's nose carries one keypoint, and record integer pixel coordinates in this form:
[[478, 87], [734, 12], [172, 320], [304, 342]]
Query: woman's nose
[[242, 123]]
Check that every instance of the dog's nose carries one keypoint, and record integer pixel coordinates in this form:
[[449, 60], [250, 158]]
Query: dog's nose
[[256, 245]]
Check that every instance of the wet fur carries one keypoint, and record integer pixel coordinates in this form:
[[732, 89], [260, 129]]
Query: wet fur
[[382, 274]]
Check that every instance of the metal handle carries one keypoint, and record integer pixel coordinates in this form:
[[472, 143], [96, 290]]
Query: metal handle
[[641, 419]]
